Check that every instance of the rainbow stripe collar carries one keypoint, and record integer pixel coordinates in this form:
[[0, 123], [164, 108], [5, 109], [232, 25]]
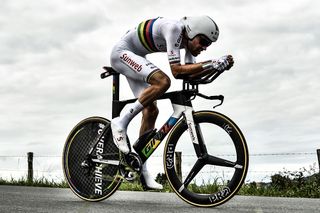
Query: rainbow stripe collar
[[145, 35]]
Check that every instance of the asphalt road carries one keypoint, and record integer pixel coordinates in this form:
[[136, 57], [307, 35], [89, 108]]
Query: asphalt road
[[36, 199]]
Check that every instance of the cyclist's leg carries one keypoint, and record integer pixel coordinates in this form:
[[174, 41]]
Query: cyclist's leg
[[159, 84], [139, 72], [150, 112], [145, 79], [149, 117]]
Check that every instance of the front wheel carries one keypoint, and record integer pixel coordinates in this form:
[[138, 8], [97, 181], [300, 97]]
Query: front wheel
[[88, 177], [211, 171]]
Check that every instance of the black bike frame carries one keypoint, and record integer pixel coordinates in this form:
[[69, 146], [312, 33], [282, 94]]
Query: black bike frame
[[182, 106], [180, 98]]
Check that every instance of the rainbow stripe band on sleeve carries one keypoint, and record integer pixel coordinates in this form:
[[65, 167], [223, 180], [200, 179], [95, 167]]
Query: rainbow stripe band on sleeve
[[145, 35]]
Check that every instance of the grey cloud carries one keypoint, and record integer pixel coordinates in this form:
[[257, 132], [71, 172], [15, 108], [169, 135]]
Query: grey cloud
[[51, 54], [29, 30]]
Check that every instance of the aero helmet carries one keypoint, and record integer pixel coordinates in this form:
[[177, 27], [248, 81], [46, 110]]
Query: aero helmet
[[201, 25]]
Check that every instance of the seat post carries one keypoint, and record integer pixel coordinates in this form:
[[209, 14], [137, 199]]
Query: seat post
[[115, 95]]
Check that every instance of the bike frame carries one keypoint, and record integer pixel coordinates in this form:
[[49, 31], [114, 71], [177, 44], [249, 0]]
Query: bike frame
[[181, 104], [182, 107]]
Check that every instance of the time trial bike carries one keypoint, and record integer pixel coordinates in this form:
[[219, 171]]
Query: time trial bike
[[212, 147]]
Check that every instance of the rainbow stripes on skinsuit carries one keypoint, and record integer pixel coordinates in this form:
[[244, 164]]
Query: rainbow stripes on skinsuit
[[145, 35]]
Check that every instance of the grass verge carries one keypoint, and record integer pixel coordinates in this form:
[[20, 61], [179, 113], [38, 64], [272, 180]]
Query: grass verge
[[303, 183]]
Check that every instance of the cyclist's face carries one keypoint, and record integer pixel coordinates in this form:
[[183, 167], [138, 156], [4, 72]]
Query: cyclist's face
[[198, 44]]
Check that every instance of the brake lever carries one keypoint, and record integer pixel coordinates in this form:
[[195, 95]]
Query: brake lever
[[221, 98], [214, 97]]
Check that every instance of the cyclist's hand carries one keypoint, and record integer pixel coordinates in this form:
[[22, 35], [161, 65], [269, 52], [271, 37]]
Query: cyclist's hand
[[223, 63], [231, 62]]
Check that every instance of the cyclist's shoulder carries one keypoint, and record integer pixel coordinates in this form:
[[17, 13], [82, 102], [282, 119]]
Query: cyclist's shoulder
[[167, 25], [169, 22]]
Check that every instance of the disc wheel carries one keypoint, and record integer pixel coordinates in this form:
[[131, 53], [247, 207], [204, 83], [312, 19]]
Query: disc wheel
[[90, 180]]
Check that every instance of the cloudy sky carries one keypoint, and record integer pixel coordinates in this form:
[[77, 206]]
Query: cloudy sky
[[51, 54]]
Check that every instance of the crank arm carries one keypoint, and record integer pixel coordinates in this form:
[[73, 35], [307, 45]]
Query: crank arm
[[103, 161]]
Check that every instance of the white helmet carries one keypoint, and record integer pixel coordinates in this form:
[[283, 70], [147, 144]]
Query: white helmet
[[202, 25]]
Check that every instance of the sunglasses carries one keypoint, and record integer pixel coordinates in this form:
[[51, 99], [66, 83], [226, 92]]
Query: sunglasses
[[205, 41]]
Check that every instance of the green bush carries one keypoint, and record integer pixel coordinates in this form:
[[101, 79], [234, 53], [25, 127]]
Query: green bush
[[302, 183]]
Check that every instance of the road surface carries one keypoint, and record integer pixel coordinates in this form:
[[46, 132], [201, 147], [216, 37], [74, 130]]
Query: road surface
[[37, 199]]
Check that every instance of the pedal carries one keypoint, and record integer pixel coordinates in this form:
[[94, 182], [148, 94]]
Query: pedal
[[130, 176], [127, 173], [134, 161], [130, 166]]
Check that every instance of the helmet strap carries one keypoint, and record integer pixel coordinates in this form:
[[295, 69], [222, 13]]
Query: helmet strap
[[186, 39], [188, 43]]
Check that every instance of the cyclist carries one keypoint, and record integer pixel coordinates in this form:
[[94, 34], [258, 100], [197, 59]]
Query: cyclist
[[147, 81]]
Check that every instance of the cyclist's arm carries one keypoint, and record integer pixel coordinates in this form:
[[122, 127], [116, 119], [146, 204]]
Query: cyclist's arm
[[189, 70]]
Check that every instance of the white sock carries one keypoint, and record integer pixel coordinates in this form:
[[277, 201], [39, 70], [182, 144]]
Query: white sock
[[128, 113], [144, 167]]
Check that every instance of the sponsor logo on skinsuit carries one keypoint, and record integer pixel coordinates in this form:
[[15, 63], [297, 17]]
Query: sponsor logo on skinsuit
[[131, 63]]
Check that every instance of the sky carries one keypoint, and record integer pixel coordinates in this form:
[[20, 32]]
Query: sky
[[51, 54]]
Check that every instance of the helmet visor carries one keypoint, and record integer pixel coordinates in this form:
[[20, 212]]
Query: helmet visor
[[204, 41]]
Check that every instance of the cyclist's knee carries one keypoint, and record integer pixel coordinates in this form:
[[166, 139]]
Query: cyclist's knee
[[165, 83], [160, 80]]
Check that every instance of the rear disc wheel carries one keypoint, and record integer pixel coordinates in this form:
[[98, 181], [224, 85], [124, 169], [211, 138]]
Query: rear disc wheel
[[89, 180]]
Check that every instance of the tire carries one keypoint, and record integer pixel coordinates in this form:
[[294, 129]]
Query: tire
[[213, 185], [101, 180]]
